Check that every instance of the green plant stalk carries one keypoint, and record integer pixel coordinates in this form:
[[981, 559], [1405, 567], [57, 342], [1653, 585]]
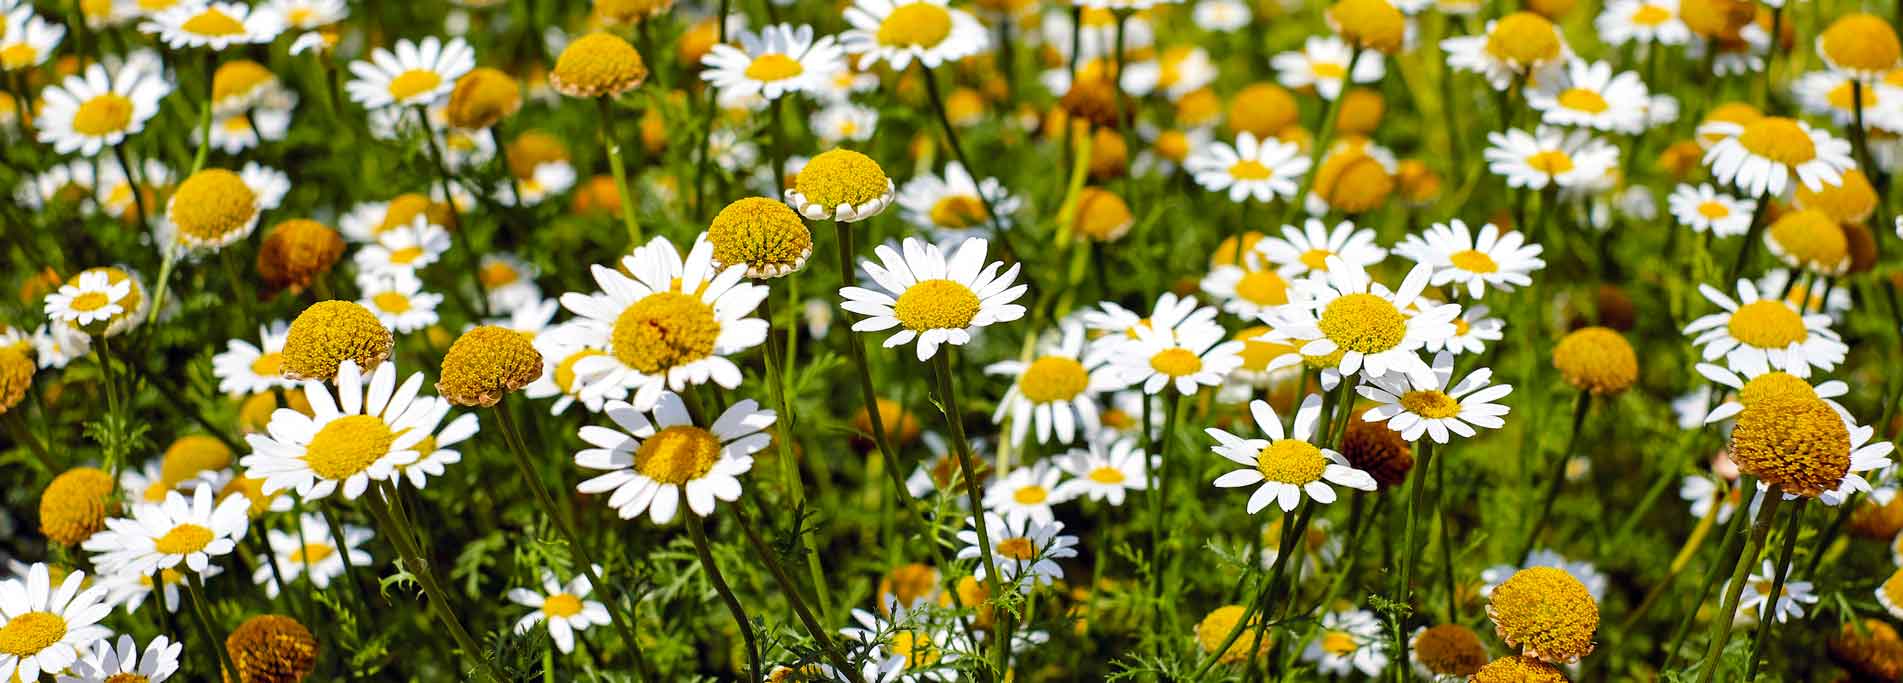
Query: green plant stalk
[[337, 539], [1417, 492], [1768, 611], [201, 609], [1172, 410], [792, 592], [426, 578], [1733, 544], [620, 171], [1751, 238], [706, 555], [778, 373], [462, 237], [1727, 614], [1264, 595], [948, 404], [1321, 140], [1554, 478]]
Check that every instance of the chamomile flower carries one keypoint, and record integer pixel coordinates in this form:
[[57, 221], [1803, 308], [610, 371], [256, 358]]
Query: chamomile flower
[[1027, 493], [1791, 598], [778, 60], [1591, 95], [1263, 170], [1864, 457], [844, 122], [1222, 16], [652, 463], [129, 590], [1519, 46], [362, 434], [91, 298], [1461, 257], [1307, 250], [560, 353], [311, 551], [57, 344], [309, 15], [1702, 492], [215, 25], [1056, 391], [934, 299], [1351, 640], [1473, 330], [912, 635], [1834, 94], [1026, 550], [507, 280], [44, 628], [416, 73], [1754, 327], [1322, 64], [1704, 208], [398, 299], [954, 204], [245, 368], [1104, 471], [166, 535], [1642, 21], [1187, 358], [1347, 312], [96, 109], [1286, 466], [1549, 156], [26, 40], [1118, 325], [126, 663], [564, 607], [1587, 575], [1246, 292], [434, 452], [550, 178], [1761, 157], [404, 248], [900, 31], [1414, 408]]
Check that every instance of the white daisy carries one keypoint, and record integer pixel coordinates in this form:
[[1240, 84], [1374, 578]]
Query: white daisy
[[433, 453], [1287, 467], [1750, 368], [1833, 94], [844, 122], [115, 196], [931, 298], [1027, 493], [563, 607], [1221, 16], [404, 248], [311, 551], [780, 59], [1501, 69], [1057, 390], [1642, 21], [1549, 156], [398, 299], [652, 464], [1306, 251], [900, 31], [95, 109], [560, 353], [1472, 331], [508, 280], [1322, 64], [1351, 640], [1591, 95], [417, 73], [92, 298], [214, 26], [1246, 292], [58, 344], [1790, 600], [48, 626], [129, 590], [1701, 491], [245, 369], [126, 663], [923, 643], [1413, 408], [1864, 457], [307, 15], [1703, 208], [951, 205], [361, 435], [1191, 357], [1263, 170], [1755, 327], [1760, 158], [1117, 325], [549, 179], [1026, 550], [1373, 328], [26, 40], [165, 535], [1460, 257], [1105, 471]]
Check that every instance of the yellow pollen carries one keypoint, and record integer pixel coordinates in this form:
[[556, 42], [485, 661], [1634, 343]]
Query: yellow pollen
[[1430, 404], [403, 256], [299, 17], [414, 82], [1462, 327], [677, 455], [561, 605], [1767, 324], [212, 22], [917, 24], [1107, 475], [1262, 288], [103, 114], [1328, 71], [565, 370], [1650, 15], [1778, 139], [937, 304], [1713, 210], [127, 678], [391, 302], [664, 330], [347, 446], [312, 552], [1053, 378], [18, 55], [497, 274], [1524, 39], [918, 649], [213, 205], [29, 633], [1176, 362], [1249, 169], [183, 539], [958, 211], [1031, 495], [841, 176], [1551, 162], [1775, 384], [1316, 259], [90, 301], [1581, 99], [774, 67], [1018, 548], [267, 364], [1474, 261], [237, 125], [1339, 643], [1291, 461], [1363, 322]]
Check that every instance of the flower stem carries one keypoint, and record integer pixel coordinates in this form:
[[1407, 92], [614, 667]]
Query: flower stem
[[706, 555], [202, 610], [778, 372], [1727, 614], [425, 577], [1751, 238], [620, 173], [857, 347], [463, 232], [954, 420], [350, 569], [1554, 478], [1264, 595], [1734, 541], [1768, 612], [1322, 139], [1172, 410], [1417, 492], [792, 591]]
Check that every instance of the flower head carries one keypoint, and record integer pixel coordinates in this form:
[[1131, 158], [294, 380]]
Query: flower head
[[1287, 466], [841, 185], [1799, 445], [271, 647], [75, 505], [483, 97], [654, 460], [598, 65], [415, 74], [1546, 614], [1596, 359], [931, 298], [762, 234], [329, 333], [487, 363]]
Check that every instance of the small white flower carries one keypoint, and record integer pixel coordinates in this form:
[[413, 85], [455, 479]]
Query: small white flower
[[1703, 208], [1026, 550], [1027, 493], [1413, 408], [1286, 466], [651, 464], [1105, 472], [562, 606], [934, 299], [1549, 156], [126, 663], [1263, 170], [166, 535], [416, 73]]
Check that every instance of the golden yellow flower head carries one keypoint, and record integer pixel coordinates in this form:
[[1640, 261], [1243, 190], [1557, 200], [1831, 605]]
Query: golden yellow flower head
[[1551, 9], [763, 234], [1377, 449], [254, 414], [908, 584], [1093, 100], [483, 97], [269, 648], [598, 65], [1810, 239], [1352, 181], [1850, 201], [1795, 443], [620, 12], [296, 252], [1525, 39], [191, 455], [485, 364], [1265, 108], [971, 591], [1109, 157], [1597, 360], [596, 196], [1680, 158], [1215, 628], [16, 376], [901, 426], [404, 209], [133, 305], [1101, 215], [213, 207], [1870, 648], [1371, 24], [1518, 669], [329, 333], [1361, 111], [1862, 44], [698, 40], [1198, 108], [75, 505], [1546, 613], [1419, 184], [842, 177], [1717, 19], [1450, 650], [237, 79]]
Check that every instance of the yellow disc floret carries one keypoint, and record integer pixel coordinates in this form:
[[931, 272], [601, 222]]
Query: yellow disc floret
[[1810, 239], [1365, 323], [1525, 39], [1215, 628], [272, 649], [192, 455], [1291, 461], [1371, 24], [1860, 43], [75, 505], [330, 332], [664, 330], [915, 24], [1450, 650], [486, 363], [763, 234], [347, 446], [936, 304], [677, 455], [295, 253], [213, 206], [1596, 359], [1518, 669], [598, 65], [27, 634], [1053, 378], [842, 177], [1546, 613], [1799, 445], [483, 97], [16, 377]]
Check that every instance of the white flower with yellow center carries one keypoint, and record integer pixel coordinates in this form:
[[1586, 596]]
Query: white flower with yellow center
[[923, 644], [1702, 207], [1460, 257], [1307, 250], [1350, 641], [1027, 493], [780, 59], [1642, 21], [236, 133], [1473, 329], [1221, 16], [508, 280], [1287, 466], [307, 15], [1753, 328], [1864, 457], [933, 299], [1188, 358], [1761, 157], [1549, 156], [129, 590], [311, 551], [1752, 377], [564, 607], [126, 663], [1263, 170], [1322, 64], [1702, 492], [404, 248], [1591, 95], [1414, 408], [900, 31], [166, 535], [398, 299], [951, 205], [666, 323], [1105, 471], [1026, 550], [1522, 46], [416, 73], [561, 351], [43, 629], [58, 344], [844, 122], [214, 26], [1791, 597], [244, 368], [550, 178], [96, 109], [1055, 391], [1830, 93], [1585, 572], [26, 40], [92, 298], [1373, 329], [1246, 292], [1117, 325], [348, 441], [433, 454], [115, 190], [651, 464]]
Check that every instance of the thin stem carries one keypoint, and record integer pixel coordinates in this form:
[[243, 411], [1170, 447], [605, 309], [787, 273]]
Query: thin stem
[[857, 347], [1554, 477], [1172, 410], [706, 555], [138, 195], [1727, 613], [202, 610], [1768, 612], [1446, 538], [1263, 596], [792, 591], [448, 182], [425, 577], [337, 540], [1409, 557], [1751, 238], [1322, 139], [1733, 544], [954, 420], [778, 370], [620, 172]]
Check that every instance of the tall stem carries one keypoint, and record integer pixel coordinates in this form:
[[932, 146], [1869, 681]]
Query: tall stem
[[620, 170], [419, 568], [1768, 613], [954, 420], [857, 347], [1733, 544], [1554, 478], [1727, 614], [792, 592], [1417, 492], [202, 610], [706, 555], [1751, 238], [778, 371], [337, 541]]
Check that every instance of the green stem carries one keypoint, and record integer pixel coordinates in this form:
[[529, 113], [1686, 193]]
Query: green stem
[[791, 590], [202, 610], [1417, 492], [419, 568], [620, 173], [954, 420], [1727, 613], [1733, 544], [1554, 477], [337, 541], [778, 371], [706, 555], [1263, 596], [1768, 610], [1751, 238]]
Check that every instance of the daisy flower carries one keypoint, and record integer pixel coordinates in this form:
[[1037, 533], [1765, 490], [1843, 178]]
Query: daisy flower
[[417, 73], [1590, 95], [1263, 170], [844, 122], [96, 109], [312, 551], [91, 298], [912, 635], [1104, 471], [1347, 312], [780, 59], [1520, 46], [900, 31], [1790, 600], [1703, 208], [1246, 292], [214, 26], [404, 248], [1642, 21], [26, 40], [1118, 325], [666, 322], [951, 205], [507, 280], [433, 453], [308, 15], [165, 535], [1754, 329], [1584, 572], [58, 344], [1460, 257], [1549, 156], [931, 298], [398, 299], [129, 590], [126, 663], [245, 369], [1188, 358], [1027, 493], [1472, 331], [1864, 457], [560, 354], [1752, 376], [550, 178], [564, 607], [1833, 94], [1322, 64], [1286, 466], [1702, 492], [45, 628], [1350, 641], [1026, 550], [1221, 16], [1306, 251], [1057, 390], [1414, 408], [363, 434], [1760, 157], [651, 464]]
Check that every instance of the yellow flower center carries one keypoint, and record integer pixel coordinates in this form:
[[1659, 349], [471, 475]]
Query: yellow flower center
[[1176, 362], [267, 364], [774, 67], [917, 24], [414, 82], [561, 605], [1582, 99], [1262, 288], [917, 648], [103, 114], [1329, 71], [1053, 378], [1550, 162], [1018, 548], [497, 274], [1249, 169], [958, 211], [90, 301], [1316, 259], [1107, 475], [664, 330], [1031, 495], [403, 256], [312, 552], [1767, 324], [1843, 97], [299, 17], [1430, 404], [937, 304], [1778, 139], [347, 446], [565, 370], [1546, 610], [1339, 643], [183, 539], [391, 302], [1364, 323], [1775, 384], [1650, 15], [212, 22], [19, 55], [1474, 261], [841, 177], [1291, 461], [213, 205], [29, 633], [1524, 38], [677, 455], [1713, 210]]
